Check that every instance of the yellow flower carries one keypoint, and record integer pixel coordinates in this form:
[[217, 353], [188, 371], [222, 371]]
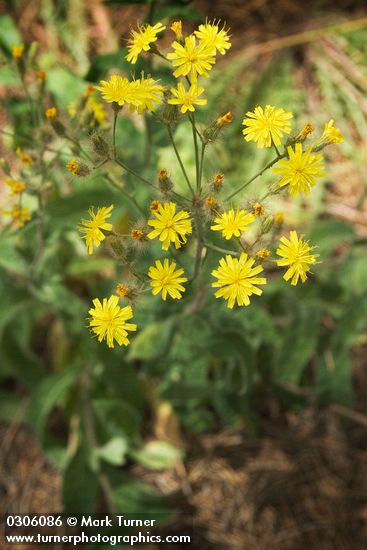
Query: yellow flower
[[19, 215], [331, 134], [146, 92], [231, 223], [296, 254], [176, 27], [96, 109], [306, 131], [117, 90], [122, 290], [187, 99], [218, 180], [225, 119], [141, 39], [154, 205], [279, 218], [137, 234], [73, 166], [258, 209], [300, 170], [211, 203], [17, 187], [266, 126], [108, 320], [17, 51], [210, 35], [167, 279], [41, 75], [191, 58], [51, 113], [94, 227], [237, 280], [24, 157], [169, 226], [263, 253]]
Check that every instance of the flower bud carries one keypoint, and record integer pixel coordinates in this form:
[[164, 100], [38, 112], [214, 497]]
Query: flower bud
[[100, 145], [164, 181], [78, 168], [267, 224]]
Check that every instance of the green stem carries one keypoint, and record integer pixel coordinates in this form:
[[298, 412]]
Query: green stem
[[180, 161], [203, 145], [253, 178], [115, 114], [219, 249], [197, 162]]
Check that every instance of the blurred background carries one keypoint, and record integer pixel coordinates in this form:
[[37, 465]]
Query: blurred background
[[255, 425]]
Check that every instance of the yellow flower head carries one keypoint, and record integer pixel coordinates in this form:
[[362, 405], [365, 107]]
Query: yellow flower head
[[17, 187], [167, 279], [17, 51], [41, 75], [295, 253], [73, 166], [263, 253], [187, 99], [331, 134], [176, 27], [154, 205], [108, 321], [122, 290], [306, 131], [146, 93], [210, 35], [51, 113], [169, 226], [266, 126], [24, 157], [93, 228], [19, 215], [258, 209], [137, 234], [117, 90], [279, 218], [225, 119], [97, 110], [211, 203], [300, 170], [231, 223], [191, 57], [237, 280], [218, 179], [141, 39]]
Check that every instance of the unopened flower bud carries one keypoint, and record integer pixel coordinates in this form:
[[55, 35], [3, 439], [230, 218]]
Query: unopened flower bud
[[267, 224], [176, 27], [100, 145], [51, 114], [165, 182]]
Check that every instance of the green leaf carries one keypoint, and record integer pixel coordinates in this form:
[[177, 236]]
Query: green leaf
[[65, 86], [113, 452], [299, 344], [135, 497], [9, 34], [80, 486], [157, 455], [50, 392], [117, 418], [328, 235], [10, 258], [152, 342]]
